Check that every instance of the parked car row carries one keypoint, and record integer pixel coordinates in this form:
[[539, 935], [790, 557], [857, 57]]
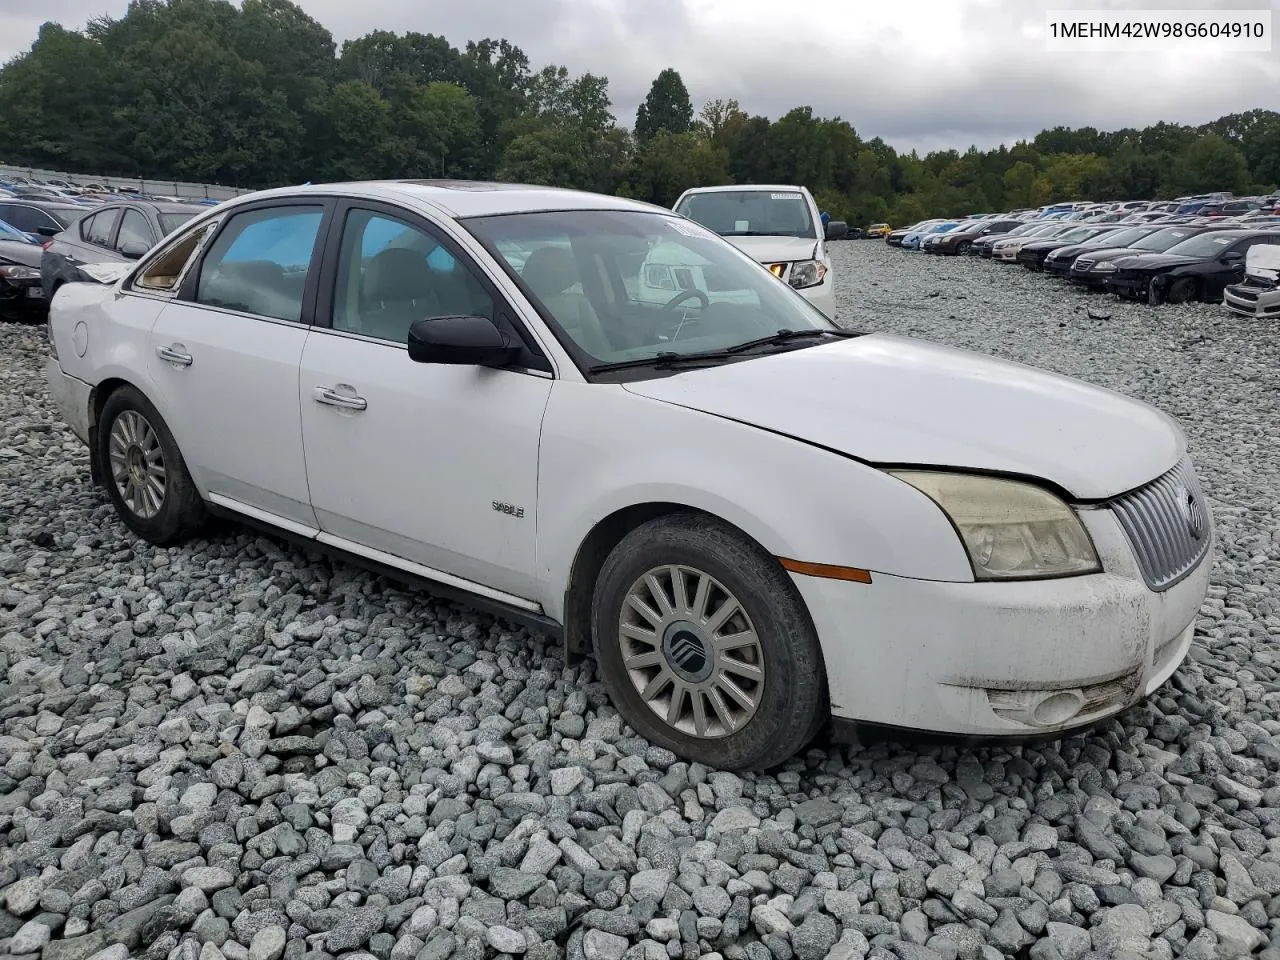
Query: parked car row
[[56, 236], [1136, 249]]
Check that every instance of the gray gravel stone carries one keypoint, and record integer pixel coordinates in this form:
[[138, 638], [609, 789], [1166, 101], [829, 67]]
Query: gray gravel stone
[[235, 750]]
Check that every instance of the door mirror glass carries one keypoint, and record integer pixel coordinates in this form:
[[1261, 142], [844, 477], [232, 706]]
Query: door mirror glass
[[474, 341], [132, 248]]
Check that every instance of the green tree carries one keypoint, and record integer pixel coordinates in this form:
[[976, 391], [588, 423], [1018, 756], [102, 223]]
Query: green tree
[[669, 163], [1208, 162], [666, 107]]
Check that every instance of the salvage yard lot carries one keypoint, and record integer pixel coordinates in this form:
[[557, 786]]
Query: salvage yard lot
[[241, 744]]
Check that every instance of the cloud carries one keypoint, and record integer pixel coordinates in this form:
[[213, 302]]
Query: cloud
[[920, 74]]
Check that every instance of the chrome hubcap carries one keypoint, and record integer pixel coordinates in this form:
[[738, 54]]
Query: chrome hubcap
[[691, 651], [137, 464]]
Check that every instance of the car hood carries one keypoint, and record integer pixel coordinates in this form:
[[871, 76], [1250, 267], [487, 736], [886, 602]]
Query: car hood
[[776, 249], [1071, 250], [25, 254], [1158, 261], [893, 400], [1040, 245], [1098, 254]]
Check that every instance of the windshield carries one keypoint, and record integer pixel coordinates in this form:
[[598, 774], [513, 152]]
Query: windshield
[[750, 213], [625, 286], [170, 222], [1204, 245], [66, 216], [1117, 238], [1079, 233]]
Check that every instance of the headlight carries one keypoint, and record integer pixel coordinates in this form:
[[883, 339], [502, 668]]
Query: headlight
[[807, 273], [1011, 530], [19, 273], [1106, 266]]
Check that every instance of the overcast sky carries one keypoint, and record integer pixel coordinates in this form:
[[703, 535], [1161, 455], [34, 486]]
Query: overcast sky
[[921, 74]]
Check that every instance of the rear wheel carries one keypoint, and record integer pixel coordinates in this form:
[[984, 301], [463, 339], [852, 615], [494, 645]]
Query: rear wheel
[[144, 473], [705, 645]]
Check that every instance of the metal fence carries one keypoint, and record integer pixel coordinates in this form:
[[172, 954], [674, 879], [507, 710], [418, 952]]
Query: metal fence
[[168, 188]]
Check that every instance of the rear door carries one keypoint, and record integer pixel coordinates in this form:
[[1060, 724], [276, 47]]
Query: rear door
[[225, 357]]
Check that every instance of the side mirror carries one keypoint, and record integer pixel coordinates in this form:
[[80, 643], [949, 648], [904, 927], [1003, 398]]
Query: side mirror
[[1235, 256], [837, 230], [132, 249], [472, 341], [48, 231]]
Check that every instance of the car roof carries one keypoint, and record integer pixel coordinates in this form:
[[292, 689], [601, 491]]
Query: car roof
[[745, 187], [459, 198], [159, 206], [50, 204]]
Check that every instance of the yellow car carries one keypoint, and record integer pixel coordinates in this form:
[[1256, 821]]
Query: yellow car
[[877, 230]]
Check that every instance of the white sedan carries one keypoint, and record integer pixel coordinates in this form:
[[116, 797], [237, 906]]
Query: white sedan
[[756, 520]]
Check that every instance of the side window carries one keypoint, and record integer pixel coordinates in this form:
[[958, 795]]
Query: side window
[[166, 270], [97, 229], [259, 262], [391, 273], [136, 236], [22, 218]]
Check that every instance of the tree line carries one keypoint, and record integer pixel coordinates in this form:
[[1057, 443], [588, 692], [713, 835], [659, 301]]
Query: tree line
[[260, 95]]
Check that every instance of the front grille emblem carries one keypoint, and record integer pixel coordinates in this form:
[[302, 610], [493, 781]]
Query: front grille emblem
[[1192, 512]]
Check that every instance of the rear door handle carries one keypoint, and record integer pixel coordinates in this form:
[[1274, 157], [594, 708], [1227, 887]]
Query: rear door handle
[[330, 396], [175, 353]]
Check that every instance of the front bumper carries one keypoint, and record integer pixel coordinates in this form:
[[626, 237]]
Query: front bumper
[[1133, 286], [1005, 254], [1004, 659], [1089, 279], [71, 396], [1252, 301], [22, 296], [1057, 268]]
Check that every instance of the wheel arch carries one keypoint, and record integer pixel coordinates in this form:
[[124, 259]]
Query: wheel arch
[[600, 540], [98, 396]]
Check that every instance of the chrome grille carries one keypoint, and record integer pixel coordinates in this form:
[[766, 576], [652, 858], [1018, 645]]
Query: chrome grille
[[1168, 524], [1083, 263]]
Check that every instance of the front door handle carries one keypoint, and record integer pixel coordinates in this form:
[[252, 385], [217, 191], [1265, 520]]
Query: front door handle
[[175, 353], [330, 396]]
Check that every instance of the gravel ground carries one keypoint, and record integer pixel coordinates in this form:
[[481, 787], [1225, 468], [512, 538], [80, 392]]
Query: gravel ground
[[236, 749]]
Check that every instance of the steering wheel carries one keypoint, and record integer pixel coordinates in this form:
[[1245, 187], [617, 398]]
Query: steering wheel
[[684, 295]]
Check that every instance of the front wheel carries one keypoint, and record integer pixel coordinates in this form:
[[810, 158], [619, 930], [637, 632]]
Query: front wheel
[[1182, 290], [706, 646], [963, 247], [144, 473]]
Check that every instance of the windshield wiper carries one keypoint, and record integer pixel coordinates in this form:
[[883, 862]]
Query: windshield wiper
[[662, 359], [784, 336], [667, 358]]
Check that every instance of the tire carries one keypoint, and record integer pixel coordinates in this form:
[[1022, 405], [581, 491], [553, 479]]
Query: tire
[[1182, 290], [784, 708], [166, 507]]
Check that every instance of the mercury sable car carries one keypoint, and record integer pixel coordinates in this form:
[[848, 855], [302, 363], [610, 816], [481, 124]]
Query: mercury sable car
[[755, 519]]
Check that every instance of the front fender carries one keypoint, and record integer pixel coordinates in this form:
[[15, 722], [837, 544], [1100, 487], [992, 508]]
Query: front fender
[[604, 449]]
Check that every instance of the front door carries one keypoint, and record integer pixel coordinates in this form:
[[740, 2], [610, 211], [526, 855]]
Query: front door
[[430, 463], [225, 359]]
